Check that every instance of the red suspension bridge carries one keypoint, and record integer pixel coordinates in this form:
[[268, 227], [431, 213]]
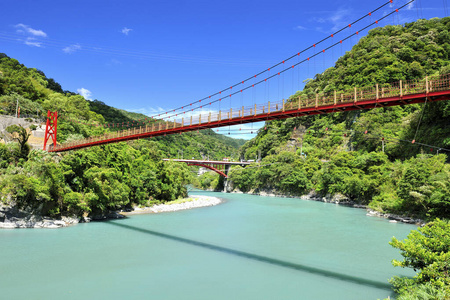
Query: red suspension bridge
[[428, 89], [176, 121]]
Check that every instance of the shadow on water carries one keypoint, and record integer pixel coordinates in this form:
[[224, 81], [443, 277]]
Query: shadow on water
[[269, 260]]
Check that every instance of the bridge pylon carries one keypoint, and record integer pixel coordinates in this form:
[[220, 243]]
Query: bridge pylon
[[51, 128]]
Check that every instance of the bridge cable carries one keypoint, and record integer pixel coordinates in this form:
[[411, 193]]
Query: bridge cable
[[287, 59], [307, 59], [284, 70]]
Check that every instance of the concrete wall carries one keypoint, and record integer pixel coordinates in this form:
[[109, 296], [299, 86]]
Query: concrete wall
[[6, 121]]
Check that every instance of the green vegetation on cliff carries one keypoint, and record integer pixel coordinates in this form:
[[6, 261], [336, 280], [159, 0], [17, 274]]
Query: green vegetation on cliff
[[93, 181], [96, 180], [343, 152]]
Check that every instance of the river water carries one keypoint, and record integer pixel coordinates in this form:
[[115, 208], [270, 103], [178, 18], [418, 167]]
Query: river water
[[249, 247]]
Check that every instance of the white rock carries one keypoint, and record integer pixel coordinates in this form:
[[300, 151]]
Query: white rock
[[199, 201], [52, 226], [7, 225], [59, 223]]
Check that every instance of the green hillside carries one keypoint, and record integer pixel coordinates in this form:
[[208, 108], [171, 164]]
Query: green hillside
[[96, 180], [340, 156], [342, 153]]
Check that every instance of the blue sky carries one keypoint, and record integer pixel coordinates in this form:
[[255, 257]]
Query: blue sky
[[152, 56]]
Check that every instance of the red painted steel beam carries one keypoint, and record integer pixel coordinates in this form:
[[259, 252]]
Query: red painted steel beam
[[209, 167], [212, 162]]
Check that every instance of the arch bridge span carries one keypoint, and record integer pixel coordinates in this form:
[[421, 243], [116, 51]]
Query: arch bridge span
[[221, 167]]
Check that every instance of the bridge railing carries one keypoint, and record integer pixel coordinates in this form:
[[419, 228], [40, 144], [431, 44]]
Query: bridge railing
[[377, 91]]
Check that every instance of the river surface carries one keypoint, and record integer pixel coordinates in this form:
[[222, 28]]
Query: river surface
[[249, 247]]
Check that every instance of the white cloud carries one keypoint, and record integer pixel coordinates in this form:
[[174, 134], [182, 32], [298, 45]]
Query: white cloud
[[148, 111], [338, 19], [299, 27], [72, 48], [85, 93], [32, 42], [22, 28], [33, 36], [410, 6], [126, 31]]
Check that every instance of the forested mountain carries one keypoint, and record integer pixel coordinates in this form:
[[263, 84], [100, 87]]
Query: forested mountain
[[96, 180], [342, 153]]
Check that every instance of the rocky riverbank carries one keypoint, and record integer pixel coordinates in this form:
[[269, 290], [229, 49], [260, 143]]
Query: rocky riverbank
[[11, 217], [395, 218], [337, 199]]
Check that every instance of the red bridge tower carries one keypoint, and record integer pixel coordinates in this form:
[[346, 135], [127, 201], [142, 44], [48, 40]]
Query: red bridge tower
[[51, 128]]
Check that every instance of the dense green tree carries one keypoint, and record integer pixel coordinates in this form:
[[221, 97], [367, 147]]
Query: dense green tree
[[9, 103], [93, 180], [21, 135], [5, 156], [426, 250], [208, 181], [367, 156]]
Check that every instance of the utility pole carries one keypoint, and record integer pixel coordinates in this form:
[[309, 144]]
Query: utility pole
[[382, 144]]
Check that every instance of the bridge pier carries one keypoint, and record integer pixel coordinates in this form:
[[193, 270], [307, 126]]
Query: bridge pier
[[225, 180]]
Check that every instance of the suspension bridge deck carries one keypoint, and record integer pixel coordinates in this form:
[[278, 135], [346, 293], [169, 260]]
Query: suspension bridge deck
[[429, 89]]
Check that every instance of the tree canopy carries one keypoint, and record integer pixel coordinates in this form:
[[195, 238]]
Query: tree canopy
[[426, 250]]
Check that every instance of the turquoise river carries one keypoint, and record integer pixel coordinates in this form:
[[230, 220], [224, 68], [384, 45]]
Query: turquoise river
[[249, 247]]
